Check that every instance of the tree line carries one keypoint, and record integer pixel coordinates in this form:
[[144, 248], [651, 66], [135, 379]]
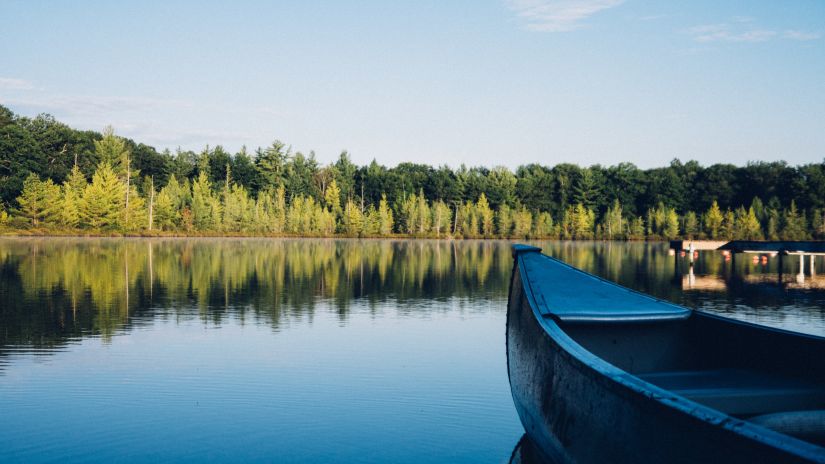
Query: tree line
[[57, 179]]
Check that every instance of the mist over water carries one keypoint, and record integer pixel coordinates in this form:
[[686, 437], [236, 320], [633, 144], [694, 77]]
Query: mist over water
[[302, 350]]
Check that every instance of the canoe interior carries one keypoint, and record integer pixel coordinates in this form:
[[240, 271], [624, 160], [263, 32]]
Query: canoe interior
[[739, 369], [636, 388]]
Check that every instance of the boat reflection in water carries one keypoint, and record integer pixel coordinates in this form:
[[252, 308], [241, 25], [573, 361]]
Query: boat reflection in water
[[526, 452]]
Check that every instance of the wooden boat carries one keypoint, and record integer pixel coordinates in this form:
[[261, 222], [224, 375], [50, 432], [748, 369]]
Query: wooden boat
[[601, 373]]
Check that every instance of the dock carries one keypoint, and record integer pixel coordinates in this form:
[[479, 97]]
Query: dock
[[784, 247]]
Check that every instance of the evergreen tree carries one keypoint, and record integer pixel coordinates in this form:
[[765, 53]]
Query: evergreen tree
[[795, 225], [583, 222], [237, 209], [691, 225], [671, 229], [134, 214], [442, 218], [485, 216], [112, 150], [72, 191], [522, 223], [504, 221], [713, 220], [4, 216], [637, 229], [728, 229], [385, 221], [614, 222], [164, 210], [39, 201], [103, 199], [205, 207], [543, 226], [353, 219]]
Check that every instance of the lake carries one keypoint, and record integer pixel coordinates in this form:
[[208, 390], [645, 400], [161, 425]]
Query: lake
[[304, 350]]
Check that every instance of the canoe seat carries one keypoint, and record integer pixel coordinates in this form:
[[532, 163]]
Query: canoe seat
[[805, 425], [741, 392]]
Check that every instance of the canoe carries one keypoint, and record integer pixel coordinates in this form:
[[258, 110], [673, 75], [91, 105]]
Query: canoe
[[601, 373]]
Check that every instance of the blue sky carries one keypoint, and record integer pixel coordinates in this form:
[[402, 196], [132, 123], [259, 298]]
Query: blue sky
[[498, 82]]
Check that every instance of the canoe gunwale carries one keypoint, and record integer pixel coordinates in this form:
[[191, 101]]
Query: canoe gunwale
[[631, 386]]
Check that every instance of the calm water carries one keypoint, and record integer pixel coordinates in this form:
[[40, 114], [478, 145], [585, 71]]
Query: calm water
[[197, 350]]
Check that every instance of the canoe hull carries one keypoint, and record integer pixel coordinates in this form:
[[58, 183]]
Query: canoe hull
[[575, 411]]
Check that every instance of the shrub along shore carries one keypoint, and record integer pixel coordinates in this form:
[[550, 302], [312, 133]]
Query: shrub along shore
[[55, 180]]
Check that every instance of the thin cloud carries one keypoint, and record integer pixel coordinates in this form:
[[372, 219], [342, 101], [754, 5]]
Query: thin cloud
[[93, 104], [558, 15], [726, 32], [11, 83], [800, 35]]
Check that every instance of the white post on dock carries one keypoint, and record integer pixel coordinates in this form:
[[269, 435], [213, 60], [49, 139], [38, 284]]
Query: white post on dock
[[800, 278], [813, 266], [690, 250]]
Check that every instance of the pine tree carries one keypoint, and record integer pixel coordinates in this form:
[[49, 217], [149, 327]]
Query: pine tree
[[713, 220], [72, 190], [613, 227], [4, 216], [164, 211], [204, 204], [543, 225], [134, 215], [504, 220], [237, 209], [691, 225], [795, 226], [486, 217], [671, 228], [442, 218], [353, 219], [332, 198], [112, 150], [747, 225], [584, 220], [103, 199], [637, 229], [522, 223], [39, 201], [385, 217], [728, 229]]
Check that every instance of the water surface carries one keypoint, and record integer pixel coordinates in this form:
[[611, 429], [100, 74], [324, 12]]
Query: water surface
[[139, 350]]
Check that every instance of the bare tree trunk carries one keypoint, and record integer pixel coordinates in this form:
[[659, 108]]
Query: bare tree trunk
[[128, 183], [151, 200]]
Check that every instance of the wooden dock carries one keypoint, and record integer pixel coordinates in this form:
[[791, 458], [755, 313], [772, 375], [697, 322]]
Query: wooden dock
[[786, 247]]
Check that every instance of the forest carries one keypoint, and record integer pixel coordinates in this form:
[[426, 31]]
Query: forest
[[58, 180]]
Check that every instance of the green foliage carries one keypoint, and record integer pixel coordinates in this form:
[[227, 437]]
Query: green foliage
[[385, 219], [691, 225], [522, 223], [504, 221], [613, 224], [206, 211], [353, 219], [795, 225], [113, 151], [713, 219], [103, 199], [442, 218], [332, 197], [39, 202], [45, 167]]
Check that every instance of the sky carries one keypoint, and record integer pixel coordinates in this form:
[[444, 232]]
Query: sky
[[481, 82]]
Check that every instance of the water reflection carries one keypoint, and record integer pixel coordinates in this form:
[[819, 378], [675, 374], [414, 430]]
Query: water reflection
[[526, 452], [58, 290]]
